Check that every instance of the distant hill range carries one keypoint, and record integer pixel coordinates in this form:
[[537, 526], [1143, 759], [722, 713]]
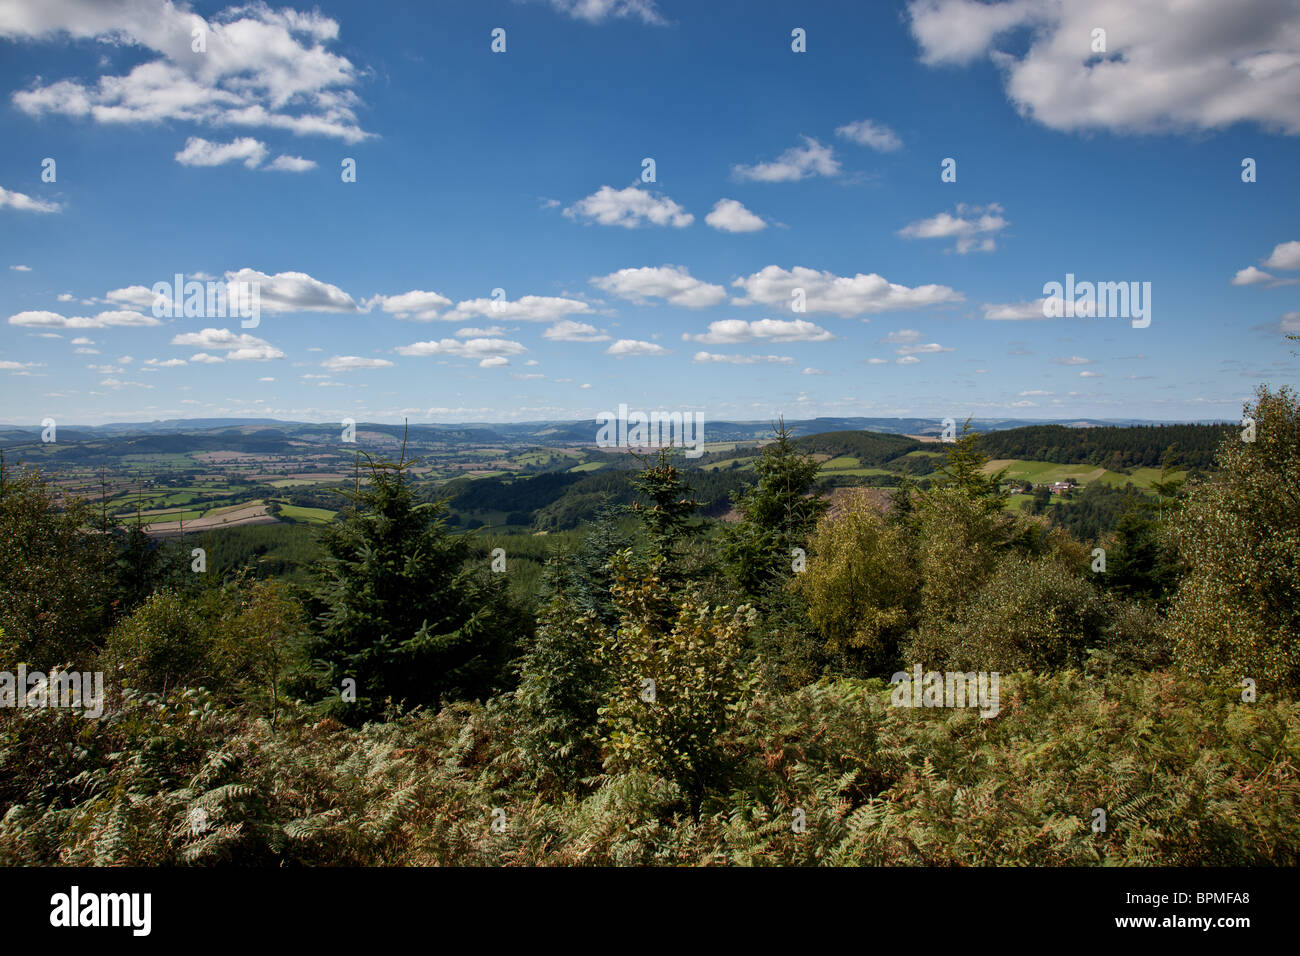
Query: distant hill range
[[264, 433]]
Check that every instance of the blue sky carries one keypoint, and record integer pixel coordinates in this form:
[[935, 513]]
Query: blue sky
[[522, 171]]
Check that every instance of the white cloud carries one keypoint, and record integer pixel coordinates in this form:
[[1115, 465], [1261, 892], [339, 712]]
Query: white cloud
[[10, 366], [674, 284], [66, 297], [630, 207], [797, 162], [239, 348], [1035, 392], [973, 227], [1073, 360], [734, 331], [596, 11], [468, 348], [629, 347], [841, 295], [491, 332], [1021, 311], [52, 320], [117, 383], [206, 359], [927, 349], [21, 268], [295, 292], [729, 215], [24, 203], [347, 363], [291, 164], [201, 152], [1286, 255], [1087, 374], [528, 308], [908, 360], [1252, 276], [902, 335], [570, 331], [711, 358], [262, 68], [814, 371], [1169, 64], [165, 363], [868, 133], [416, 304]]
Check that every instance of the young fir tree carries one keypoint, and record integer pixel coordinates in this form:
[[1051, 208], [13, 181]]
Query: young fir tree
[[667, 518], [400, 610], [777, 516]]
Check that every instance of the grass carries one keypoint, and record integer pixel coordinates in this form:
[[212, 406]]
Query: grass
[[310, 515], [1045, 472]]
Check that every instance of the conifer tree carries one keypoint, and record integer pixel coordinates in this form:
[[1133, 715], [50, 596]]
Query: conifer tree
[[777, 515], [400, 610]]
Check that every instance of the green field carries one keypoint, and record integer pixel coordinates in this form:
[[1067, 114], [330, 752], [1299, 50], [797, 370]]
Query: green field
[[310, 515], [1046, 472]]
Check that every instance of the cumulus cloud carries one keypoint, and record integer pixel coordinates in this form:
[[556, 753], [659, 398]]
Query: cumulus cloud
[[239, 348], [295, 292], [201, 152], [1252, 276], [53, 320], [488, 352], [597, 11], [528, 308], [674, 284], [347, 363], [630, 208], [1023, 311], [291, 164], [928, 348], [21, 268], [734, 331], [729, 215], [845, 296], [1285, 255], [24, 203], [632, 347], [868, 133], [416, 304], [713, 358], [262, 68], [570, 331], [973, 227], [1168, 64], [282, 292], [797, 162]]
